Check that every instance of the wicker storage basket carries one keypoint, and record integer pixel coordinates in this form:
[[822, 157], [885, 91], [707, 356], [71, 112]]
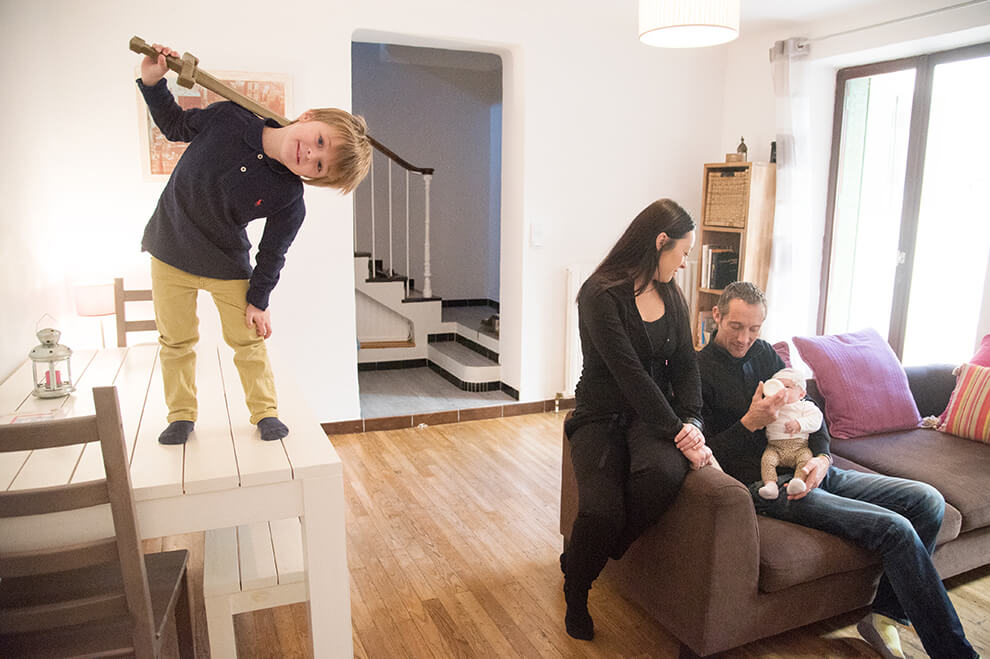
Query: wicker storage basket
[[727, 198]]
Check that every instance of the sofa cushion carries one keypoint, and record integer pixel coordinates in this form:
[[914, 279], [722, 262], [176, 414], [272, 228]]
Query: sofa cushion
[[968, 412], [931, 385], [956, 467], [951, 521], [864, 386], [791, 554]]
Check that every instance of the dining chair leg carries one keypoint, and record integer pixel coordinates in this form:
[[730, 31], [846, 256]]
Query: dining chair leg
[[184, 622]]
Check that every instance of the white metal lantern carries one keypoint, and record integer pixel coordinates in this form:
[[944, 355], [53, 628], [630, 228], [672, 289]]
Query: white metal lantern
[[50, 365]]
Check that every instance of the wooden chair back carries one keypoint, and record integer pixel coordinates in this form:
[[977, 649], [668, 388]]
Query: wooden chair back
[[127, 597], [120, 297]]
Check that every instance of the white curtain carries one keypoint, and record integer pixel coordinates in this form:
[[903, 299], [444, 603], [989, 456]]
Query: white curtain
[[795, 267]]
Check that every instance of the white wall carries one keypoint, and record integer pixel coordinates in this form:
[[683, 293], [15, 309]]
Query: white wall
[[72, 176], [595, 126], [434, 108], [846, 40]]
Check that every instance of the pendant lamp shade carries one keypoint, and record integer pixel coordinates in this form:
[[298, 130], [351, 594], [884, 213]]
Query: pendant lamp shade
[[688, 23]]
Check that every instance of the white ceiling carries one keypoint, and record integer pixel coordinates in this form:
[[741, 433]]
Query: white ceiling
[[760, 14]]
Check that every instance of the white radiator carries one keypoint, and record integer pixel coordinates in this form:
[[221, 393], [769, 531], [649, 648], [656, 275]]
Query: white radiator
[[576, 274]]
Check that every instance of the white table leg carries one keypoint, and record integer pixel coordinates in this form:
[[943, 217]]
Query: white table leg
[[325, 548], [220, 623]]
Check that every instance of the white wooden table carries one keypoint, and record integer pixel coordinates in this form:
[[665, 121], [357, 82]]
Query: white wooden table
[[223, 476]]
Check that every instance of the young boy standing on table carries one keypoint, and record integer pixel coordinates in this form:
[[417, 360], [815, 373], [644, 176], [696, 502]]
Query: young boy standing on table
[[237, 168]]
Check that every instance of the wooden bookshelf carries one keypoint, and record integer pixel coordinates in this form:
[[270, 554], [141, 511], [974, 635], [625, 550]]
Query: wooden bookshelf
[[737, 207]]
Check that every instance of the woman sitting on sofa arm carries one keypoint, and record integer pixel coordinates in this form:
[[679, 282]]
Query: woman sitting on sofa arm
[[635, 430]]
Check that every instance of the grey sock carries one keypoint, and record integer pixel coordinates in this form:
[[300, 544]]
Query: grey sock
[[176, 433], [271, 429]]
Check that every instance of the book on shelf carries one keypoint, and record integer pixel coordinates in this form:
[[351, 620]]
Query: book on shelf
[[706, 252], [706, 325], [724, 268]]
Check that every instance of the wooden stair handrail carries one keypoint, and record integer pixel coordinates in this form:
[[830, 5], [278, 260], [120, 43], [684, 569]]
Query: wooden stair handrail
[[189, 74], [398, 160]]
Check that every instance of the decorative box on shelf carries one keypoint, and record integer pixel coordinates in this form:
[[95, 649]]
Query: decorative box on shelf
[[735, 230]]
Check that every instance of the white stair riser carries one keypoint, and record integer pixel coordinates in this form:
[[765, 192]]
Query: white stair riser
[[424, 316], [464, 372]]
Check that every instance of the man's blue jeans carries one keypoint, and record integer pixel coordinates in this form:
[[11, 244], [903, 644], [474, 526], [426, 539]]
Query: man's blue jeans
[[899, 520]]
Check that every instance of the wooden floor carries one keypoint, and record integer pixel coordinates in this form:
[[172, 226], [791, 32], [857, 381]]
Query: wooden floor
[[452, 543]]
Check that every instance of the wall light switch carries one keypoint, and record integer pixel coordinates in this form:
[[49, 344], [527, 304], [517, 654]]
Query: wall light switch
[[537, 236]]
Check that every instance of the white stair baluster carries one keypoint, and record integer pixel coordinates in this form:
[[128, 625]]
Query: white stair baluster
[[373, 270], [427, 288], [408, 272], [391, 263]]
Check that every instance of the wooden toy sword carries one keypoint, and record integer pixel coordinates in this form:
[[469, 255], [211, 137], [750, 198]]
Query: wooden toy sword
[[190, 74]]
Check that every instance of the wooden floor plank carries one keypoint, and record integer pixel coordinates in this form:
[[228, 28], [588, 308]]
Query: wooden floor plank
[[452, 546]]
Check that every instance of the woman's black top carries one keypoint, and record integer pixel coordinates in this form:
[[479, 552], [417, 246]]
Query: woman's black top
[[625, 373]]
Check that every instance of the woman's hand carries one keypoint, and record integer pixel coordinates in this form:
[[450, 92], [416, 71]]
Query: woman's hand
[[699, 457], [153, 69], [689, 438], [259, 320]]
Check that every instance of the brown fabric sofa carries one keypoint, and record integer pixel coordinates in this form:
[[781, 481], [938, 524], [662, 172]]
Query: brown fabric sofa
[[717, 576]]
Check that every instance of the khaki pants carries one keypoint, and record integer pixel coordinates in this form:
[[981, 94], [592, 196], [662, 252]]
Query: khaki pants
[[174, 293]]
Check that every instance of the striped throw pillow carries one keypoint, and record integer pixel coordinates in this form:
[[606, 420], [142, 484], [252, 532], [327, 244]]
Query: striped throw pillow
[[968, 413]]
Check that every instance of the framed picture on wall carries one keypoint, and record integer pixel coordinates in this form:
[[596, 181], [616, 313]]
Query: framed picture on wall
[[159, 155]]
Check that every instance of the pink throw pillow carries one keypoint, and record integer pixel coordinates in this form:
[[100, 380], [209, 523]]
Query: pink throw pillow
[[982, 356], [783, 350], [864, 386], [968, 413]]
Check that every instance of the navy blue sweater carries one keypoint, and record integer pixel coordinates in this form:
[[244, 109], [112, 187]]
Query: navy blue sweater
[[624, 375], [223, 181], [727, 387]]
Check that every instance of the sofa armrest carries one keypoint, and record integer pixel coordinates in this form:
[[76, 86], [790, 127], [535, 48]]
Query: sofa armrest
[[697, 571]]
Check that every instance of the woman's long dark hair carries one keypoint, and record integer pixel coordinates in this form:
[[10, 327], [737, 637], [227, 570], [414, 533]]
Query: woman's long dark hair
[[635, 258]]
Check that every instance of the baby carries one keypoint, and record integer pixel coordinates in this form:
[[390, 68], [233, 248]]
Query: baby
[[787, 437]]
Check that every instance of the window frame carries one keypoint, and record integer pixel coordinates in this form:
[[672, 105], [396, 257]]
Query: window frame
[[924, 66]]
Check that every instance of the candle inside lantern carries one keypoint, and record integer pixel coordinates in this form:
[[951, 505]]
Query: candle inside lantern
[[51, 359]]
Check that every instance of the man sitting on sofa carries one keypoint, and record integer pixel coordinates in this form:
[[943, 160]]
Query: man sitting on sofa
[[896, 518]]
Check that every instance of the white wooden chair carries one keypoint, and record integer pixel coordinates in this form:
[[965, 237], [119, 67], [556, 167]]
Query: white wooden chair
[[121, 297]]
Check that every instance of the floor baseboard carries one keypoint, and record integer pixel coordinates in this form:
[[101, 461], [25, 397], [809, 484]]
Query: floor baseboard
[[447, 416]]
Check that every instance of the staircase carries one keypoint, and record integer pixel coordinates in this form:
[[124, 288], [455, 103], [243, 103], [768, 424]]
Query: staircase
[[399, 326]]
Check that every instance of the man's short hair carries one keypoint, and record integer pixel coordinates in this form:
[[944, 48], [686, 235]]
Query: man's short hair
[[741, 290]]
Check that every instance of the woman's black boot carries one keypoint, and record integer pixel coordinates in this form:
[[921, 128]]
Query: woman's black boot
[[577, 619]]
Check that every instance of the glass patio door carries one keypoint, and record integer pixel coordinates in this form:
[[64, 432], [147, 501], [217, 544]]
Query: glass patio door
[[909, 230]]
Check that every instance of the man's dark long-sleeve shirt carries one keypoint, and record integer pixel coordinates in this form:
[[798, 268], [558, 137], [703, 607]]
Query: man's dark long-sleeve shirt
[[623, 373], [727, 387], [222, 182]]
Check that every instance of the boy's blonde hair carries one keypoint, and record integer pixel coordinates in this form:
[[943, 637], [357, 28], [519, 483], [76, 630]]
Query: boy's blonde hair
[[353, 150]]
